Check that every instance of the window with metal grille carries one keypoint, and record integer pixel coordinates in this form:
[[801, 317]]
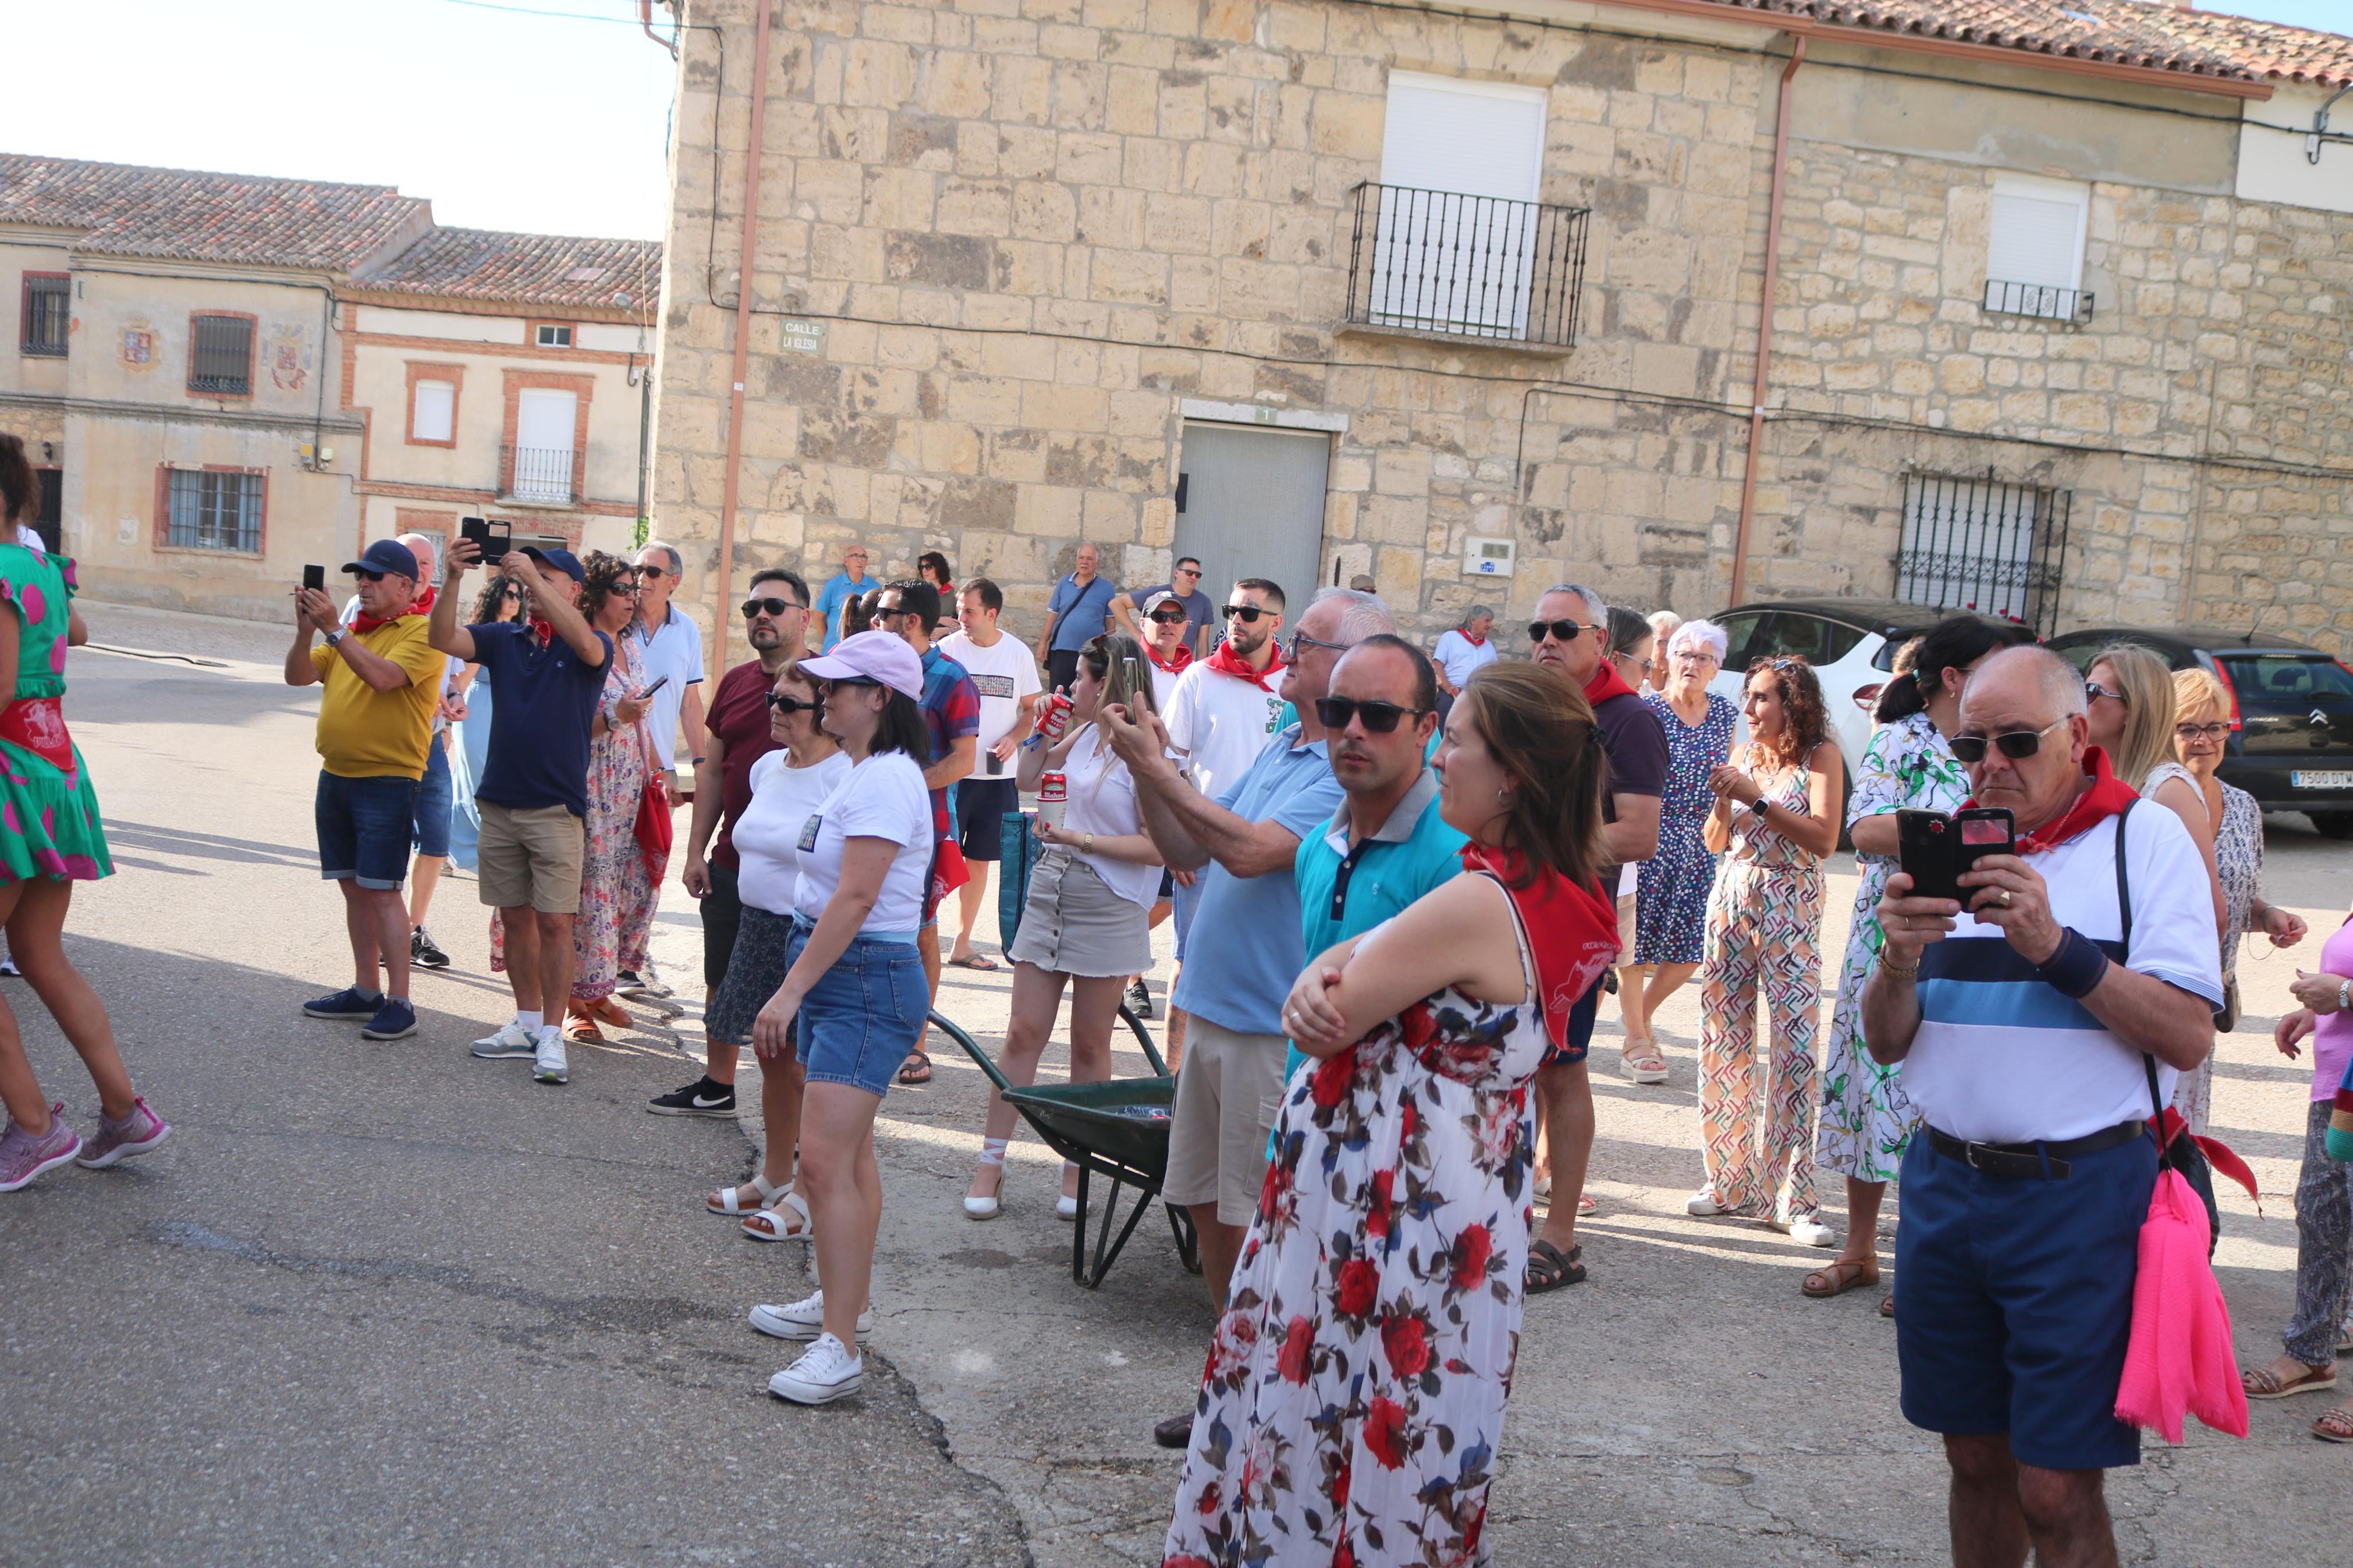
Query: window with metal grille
[[48, 312], [1984, 545], [212, 511], [223, 363]]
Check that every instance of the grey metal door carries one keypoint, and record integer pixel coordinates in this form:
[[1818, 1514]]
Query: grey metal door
[[1254, 507]]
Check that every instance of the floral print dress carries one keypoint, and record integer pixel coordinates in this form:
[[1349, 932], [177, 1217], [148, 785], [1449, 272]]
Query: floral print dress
[[2238, 865], [49, 824], [1671, 888], [1866, 1120], [1355, 1388], [616, 893]]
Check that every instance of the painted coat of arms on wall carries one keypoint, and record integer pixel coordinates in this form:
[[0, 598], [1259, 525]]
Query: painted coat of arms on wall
[[138, 351], [288, 358]]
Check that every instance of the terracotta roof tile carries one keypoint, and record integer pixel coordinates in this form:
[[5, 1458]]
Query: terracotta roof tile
[[532, 269], [188, 214]]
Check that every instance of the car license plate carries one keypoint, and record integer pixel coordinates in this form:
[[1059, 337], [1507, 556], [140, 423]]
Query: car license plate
[[2303, 778]]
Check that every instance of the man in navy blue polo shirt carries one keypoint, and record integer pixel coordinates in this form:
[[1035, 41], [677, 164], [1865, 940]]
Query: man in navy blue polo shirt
[[1078, 612], [533, 792]]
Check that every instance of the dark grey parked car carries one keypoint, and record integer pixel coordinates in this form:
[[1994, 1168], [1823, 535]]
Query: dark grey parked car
[[2291, 743]]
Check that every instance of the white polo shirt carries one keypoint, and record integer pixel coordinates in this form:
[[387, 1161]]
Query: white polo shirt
[[673, 649], [1220, 722], [2001, 1057], [1460, 657]]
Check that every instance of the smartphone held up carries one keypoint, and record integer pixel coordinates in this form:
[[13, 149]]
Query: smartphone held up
[[1936, 848]]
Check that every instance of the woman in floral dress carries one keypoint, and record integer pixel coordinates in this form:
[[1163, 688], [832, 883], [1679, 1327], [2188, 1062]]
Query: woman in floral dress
[[1354, 1395], [1866, 1121], [617, 893], [1672, 886]]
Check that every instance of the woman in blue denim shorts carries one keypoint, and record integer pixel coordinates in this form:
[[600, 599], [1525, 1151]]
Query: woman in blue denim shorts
[[854, 993]]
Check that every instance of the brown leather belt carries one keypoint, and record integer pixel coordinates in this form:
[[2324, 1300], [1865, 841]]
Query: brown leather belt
[[2038, 1160]]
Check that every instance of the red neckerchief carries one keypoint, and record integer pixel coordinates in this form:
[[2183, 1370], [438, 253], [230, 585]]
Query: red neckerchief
[[2108, 796], [1226, 661], [1606, 683], [1466, 636], [364, 623], [1183, 657], [1572, 930], [544, 631]]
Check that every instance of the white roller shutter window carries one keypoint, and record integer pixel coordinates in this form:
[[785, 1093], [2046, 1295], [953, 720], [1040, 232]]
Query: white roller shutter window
[[1482, 139], [1440, 262], [437, 409], [2037, 233]]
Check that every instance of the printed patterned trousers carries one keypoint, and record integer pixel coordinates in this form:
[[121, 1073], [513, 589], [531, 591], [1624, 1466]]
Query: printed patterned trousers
[[1764, 932], [2324, 1246]]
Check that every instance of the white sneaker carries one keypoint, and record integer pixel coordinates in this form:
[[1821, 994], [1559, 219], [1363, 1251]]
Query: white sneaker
[[1703, 1205], [511, 1040], [804, 1320], [1808, 1230], [828, 1371], [548, 1065]]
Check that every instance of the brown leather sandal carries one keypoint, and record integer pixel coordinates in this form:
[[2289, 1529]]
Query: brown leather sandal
[[1839, 1276]]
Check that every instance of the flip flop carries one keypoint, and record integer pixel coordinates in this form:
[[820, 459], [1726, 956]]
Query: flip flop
[[980, 960]]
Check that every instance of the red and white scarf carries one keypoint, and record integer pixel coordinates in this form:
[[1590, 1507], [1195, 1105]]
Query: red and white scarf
[[364, 623], [1173, 666], [2108, 796], [1572, 929], [1226, 661]]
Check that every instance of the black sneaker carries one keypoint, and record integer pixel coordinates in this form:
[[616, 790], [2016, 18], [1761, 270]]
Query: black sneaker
[[421, 950], [1139, 999], [703, 1097]]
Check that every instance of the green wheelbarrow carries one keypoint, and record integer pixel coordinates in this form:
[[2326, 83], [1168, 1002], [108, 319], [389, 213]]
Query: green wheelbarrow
[[1117, 1129]]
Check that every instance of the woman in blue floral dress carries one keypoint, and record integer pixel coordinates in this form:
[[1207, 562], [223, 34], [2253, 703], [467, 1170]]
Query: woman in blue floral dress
[[1672, 886], [1866, 1121]]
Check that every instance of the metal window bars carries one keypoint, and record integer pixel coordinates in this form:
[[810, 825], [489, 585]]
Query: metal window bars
[[224, 357], [1984, 545], [2040, 299], [49, 315], [1471, 267], [212, 511], [540, 474]]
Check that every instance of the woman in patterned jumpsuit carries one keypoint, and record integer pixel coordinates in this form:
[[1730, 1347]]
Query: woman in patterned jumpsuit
[[1777, 808]]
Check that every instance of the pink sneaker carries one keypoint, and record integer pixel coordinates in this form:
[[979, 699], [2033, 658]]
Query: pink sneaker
[[135, 1135], [24, 1156]]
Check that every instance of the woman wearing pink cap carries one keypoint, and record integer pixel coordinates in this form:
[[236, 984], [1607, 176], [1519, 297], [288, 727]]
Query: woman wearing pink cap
[[854, 992]]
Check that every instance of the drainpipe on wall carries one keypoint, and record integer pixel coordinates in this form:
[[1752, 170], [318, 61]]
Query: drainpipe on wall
[[720, 589], [645, 19], [1764, 324]]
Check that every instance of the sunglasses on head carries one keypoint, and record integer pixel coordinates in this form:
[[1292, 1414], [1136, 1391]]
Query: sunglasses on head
[[1381, 718], [769, 607], [2017, 745], [1169, 617], [1560, 631], [789, 706], [1248, 612]]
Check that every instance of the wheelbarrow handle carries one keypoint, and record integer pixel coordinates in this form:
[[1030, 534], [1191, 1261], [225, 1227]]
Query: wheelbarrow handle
[[955, 1031], [1144, 1038]]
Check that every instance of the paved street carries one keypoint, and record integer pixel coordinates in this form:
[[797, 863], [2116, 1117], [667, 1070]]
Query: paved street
[[388, 1304]]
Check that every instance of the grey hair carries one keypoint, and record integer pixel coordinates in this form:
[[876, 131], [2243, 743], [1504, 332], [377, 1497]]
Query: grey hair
[[676, 562], [1706, 634], [1593, 603], [1361, 615], [1664, 623], [1475, 611], [2060, 683]]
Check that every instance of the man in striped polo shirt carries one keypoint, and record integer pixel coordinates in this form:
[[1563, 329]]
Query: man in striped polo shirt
[[2022, 1022]]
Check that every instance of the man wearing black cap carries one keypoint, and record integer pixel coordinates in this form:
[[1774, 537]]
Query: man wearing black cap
[[533, 792], [382, 680]]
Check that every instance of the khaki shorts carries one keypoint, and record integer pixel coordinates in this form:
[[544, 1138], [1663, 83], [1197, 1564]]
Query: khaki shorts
[[531, 856], [1228, 1096]]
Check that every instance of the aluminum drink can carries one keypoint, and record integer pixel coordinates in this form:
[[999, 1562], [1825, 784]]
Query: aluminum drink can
[[1053, 799]]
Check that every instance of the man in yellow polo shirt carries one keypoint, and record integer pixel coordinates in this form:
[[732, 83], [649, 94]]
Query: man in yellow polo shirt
[[376, 721]]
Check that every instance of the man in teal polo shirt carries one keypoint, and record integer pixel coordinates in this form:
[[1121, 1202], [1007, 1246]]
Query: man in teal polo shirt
[[1386, 846]]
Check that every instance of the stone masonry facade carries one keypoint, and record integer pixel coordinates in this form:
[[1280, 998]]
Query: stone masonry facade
[[1002, 242]]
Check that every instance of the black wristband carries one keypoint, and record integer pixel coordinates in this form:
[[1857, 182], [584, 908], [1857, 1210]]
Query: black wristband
[[2076, 969]]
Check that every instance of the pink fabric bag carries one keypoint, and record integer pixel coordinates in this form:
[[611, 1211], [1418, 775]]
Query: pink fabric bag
[[2180, 1361]]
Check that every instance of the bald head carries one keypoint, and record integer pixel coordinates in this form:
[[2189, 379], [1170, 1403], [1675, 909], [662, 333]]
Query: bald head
[[2034, 692], [2054, 681], [421, 547]]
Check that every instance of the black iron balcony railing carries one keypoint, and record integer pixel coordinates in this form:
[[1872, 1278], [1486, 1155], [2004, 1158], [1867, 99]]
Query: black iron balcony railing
[[1468, 266], [540, 474], [2038, 299]]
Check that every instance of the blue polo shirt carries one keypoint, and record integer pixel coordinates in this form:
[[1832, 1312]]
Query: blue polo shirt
[[839, 590], [539, 728], [1078, 612], [1344, 893], [1246, 946]]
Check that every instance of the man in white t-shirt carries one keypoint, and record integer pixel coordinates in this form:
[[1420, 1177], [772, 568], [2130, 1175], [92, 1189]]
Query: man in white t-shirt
[[1006, 672], [2039, 1031], [1224, 710], [1462, 649]]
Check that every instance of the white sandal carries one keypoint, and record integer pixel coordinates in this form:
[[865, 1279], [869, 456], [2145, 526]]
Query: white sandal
[[724, 1201], [992, 1157], [763, 1226]]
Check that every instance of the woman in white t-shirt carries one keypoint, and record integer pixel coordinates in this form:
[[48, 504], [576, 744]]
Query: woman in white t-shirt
[[854, 994], [788, 787], [1085, 919]]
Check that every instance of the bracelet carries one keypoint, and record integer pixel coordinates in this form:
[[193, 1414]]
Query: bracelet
[[697, 763], [2077, 967], [2345, 996], [1086, 844], [1897, 969]]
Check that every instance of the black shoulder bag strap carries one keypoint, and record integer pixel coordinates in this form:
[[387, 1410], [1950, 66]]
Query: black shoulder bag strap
[[2182, 1154]]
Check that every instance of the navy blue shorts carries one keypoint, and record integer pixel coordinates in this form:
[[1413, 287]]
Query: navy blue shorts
[[364, 828], [434, 793], [2013, 1302], [1580, 1029], [862, 1017], [981, 803]]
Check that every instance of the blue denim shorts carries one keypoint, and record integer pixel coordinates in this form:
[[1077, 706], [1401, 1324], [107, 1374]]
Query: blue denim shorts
[[434, 793], [365, 827], [1580, 1029], [862, 1017]]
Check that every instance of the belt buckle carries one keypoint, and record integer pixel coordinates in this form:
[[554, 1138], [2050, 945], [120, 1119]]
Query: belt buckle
[[1970, 1154]]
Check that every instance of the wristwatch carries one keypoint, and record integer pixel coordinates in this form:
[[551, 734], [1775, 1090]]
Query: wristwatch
[[1756, 808], [334, 635]]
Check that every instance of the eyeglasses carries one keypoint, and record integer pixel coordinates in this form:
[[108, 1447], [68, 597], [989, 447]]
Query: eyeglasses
[[769, 607], [1188, 571], [1644, 665], [1169, 617], [2016, 745], [888, 613], [628, 590], [1248, 614], [1560, 631], [369, 576], [2093, 691], [1301, 639], [2214, 731], [788, 706], [653, 570], [1381, 718]]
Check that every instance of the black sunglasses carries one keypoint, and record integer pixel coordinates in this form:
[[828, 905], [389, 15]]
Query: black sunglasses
[[1169, 617], [1381, 718], [370, 576], [770, 608], [1249, 613], [789, 706], [2015, 745], [653, 570], [1560, 631]]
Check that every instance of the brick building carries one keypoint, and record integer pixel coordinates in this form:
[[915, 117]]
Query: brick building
[[229, 377], [1470, 301]]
